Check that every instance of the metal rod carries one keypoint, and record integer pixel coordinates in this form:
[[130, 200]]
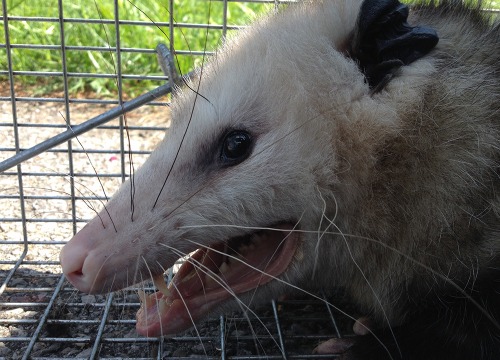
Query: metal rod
[[332, 318], [100, 331], [222, 337], [67, 114], [84, 127], [43, 319], [16, 139], [278, 329]]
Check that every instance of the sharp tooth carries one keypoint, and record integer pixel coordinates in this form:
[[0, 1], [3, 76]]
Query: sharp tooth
[[145, 299], [209, 279], [161, 285], [299, 255], [223, 268]]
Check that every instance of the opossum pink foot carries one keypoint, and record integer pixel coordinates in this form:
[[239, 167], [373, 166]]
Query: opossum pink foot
[[334, 346], [211, 276], [338, 346], [362, 326]]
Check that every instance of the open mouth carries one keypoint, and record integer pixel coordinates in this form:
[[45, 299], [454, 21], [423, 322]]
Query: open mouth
[[212, 275]]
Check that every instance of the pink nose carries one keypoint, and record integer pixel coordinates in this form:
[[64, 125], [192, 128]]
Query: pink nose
[[83, 261], [72, 258]]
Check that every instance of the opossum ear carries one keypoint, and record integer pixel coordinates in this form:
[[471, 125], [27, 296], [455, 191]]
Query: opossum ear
[[383, 40]]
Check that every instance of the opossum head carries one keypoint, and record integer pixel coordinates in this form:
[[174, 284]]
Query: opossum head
[[246, 175]]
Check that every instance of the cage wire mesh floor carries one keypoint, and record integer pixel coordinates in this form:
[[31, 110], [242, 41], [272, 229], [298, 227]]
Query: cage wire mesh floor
[[46, 199]]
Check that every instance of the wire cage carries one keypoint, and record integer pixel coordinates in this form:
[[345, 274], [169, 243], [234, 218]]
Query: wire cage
[[51, 180]]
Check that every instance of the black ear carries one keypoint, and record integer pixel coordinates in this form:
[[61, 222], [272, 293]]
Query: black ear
[[383, 41]]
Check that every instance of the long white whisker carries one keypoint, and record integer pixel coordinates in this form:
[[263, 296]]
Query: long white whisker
[[367, 282], [320, 233], [182, 299], [220, 281], [294, 287], [359, 237]]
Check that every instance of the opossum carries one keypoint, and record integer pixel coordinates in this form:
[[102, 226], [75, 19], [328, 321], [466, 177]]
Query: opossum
[[338, 144]]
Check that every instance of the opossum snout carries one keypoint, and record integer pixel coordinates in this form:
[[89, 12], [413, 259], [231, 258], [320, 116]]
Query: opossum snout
[[82, 261], [73, 259]]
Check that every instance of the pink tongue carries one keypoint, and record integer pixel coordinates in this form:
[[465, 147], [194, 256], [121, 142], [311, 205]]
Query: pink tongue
[[194, 294]]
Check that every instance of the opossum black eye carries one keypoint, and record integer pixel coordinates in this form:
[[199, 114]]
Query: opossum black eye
[[236, 147]]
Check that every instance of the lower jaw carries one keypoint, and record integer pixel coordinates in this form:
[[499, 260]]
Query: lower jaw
[[179, 308]]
